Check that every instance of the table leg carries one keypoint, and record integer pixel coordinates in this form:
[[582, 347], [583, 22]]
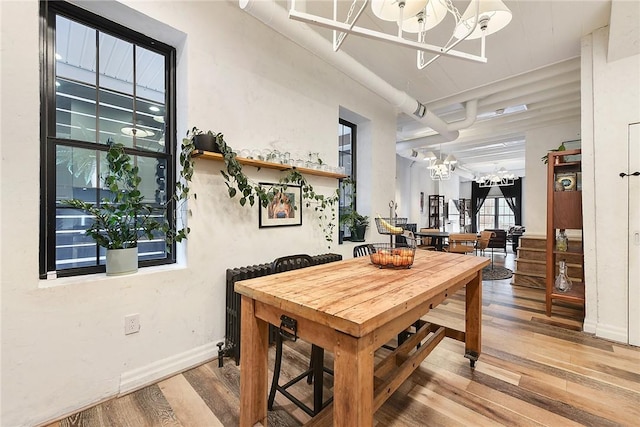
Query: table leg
[[473, 319], [254, 347], [353, 382]]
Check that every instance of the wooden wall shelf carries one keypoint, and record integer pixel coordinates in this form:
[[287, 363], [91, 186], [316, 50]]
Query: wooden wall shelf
[[267, 165]]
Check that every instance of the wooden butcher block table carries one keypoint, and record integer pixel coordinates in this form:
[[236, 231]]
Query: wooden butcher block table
[[352, 308]]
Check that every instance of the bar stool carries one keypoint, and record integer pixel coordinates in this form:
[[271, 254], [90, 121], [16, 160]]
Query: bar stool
[[362, 250], [316, 363]]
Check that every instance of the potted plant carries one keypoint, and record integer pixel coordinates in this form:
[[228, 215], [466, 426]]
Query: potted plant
[[205, 141], [545, 158], [124, 218], [356, 223]]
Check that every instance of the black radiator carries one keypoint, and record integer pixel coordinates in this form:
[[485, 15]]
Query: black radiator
[[231, 346]]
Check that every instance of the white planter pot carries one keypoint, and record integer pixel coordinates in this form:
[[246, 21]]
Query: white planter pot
[[122, 261]]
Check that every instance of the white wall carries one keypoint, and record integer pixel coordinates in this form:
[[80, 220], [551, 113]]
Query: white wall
[[611, 101], [534, 189], [412, 178], [63, 345], [450, 189]]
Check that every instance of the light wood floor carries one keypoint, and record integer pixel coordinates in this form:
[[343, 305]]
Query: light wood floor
[[534, 370]]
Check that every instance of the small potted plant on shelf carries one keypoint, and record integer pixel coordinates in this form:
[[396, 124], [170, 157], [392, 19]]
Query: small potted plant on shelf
[[545, 158], [121, 220], [205, 141]]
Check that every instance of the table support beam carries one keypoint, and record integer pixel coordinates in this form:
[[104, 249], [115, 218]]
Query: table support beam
[[395, 378], [353, 381], [254, 347], [473, 320]]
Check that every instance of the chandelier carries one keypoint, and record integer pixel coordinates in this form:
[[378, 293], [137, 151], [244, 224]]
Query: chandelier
[[414, 18], [440, 170], [498, 178]]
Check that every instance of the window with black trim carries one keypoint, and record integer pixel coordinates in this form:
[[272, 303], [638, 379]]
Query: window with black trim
[[347, 159], [495, 213], [100, 83]]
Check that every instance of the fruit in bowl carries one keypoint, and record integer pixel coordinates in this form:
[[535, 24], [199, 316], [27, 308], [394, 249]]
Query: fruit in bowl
[[385, 256]]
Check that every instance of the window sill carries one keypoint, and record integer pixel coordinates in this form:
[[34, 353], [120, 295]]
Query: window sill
[[98, 277]]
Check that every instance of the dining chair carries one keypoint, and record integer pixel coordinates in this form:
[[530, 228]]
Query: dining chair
[[293, 262], [462, 243], [428, 243], [483, 243], [362, 250]]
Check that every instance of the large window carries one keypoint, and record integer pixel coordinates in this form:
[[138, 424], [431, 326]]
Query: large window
[[101, 83], [495, 213], [347, 159]]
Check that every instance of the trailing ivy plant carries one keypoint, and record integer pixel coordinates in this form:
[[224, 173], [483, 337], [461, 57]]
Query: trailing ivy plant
[[247, 191], [323, 206]]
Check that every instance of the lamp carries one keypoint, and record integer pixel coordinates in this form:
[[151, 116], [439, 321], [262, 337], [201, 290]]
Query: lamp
[[497, 178], [492, 12], [395, 10], [481, 18], [440, 170], [426, 19]]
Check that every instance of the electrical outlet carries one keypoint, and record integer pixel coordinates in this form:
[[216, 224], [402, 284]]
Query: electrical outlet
[[131, 324]]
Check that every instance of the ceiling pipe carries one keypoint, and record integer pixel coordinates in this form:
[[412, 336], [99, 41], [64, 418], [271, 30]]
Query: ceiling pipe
[[571, 92], [276, 17], [406, 147], [520, 80], [514, 130], [471, 108], [505, 98]]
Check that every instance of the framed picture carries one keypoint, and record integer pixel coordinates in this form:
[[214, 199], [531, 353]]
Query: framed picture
[[284, 210], [566, 181]]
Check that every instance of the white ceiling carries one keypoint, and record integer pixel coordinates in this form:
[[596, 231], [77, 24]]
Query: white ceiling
[[534, 61]]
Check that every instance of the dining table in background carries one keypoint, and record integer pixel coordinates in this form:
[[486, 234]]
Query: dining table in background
[[438, 237], [352, 308]]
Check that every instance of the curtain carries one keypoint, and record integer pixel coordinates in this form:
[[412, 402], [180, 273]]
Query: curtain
[[513, 195], [478, 195]]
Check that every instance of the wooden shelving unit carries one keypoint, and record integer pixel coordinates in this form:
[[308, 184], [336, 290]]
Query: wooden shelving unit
[[436, 207], [267, 165], [564, 211]]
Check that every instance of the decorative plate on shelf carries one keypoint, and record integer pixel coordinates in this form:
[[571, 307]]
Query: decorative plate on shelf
[[566, 181]]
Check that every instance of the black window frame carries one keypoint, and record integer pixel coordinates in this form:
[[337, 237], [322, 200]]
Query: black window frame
[[48, 12], [496, 213], [351, 176]]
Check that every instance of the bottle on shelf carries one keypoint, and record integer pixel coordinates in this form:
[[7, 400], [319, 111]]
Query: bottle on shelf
[[562, 242], [563, 283]]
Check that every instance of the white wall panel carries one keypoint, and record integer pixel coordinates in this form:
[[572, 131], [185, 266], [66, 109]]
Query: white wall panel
[[613, 105], [634, 235]]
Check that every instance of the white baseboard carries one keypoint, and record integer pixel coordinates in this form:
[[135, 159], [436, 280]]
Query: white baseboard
[[613, 333], [158, 370], [590, 326]]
